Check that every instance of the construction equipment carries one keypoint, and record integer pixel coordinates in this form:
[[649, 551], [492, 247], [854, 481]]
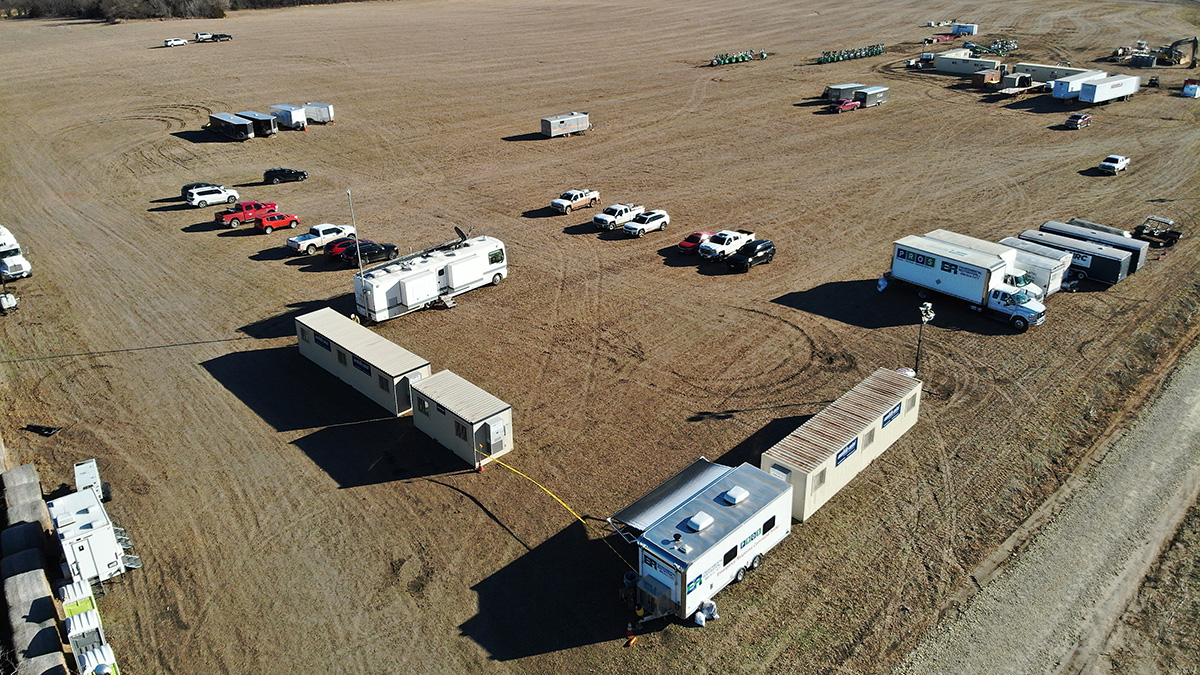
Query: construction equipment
[[1175, 56], [998, 47], [848, 54], [1157, 231], [738, 57]]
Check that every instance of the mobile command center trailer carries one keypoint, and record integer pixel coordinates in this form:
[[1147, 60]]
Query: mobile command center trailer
[[228, 124], [1138, 249], [1068, 87], [968, 275], [378, 368], [289, 116], [871, 96], [472, 423], [820, 457], [1110, 89], [702, 529], [1040, 72], [1048, 266], [838, 92], [91, 550], [960, 62], [321, 113], [1088, 260], [564, 125], [1015, 275], [418, 280], [264, 125]]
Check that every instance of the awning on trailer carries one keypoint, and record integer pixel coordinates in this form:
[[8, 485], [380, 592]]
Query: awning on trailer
[[677, 489]]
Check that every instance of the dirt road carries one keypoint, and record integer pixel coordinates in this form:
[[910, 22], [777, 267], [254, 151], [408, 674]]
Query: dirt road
[[284, 520], [1060, 598]]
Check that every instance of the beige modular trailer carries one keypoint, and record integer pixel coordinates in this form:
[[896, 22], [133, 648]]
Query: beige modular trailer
[[959, 61], [375, 366], [1041, 72], [821, 457], [466, 419]]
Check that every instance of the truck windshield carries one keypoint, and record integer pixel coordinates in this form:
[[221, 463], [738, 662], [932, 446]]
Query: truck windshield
[[1023, 280], [1020, 297], [10, 253]]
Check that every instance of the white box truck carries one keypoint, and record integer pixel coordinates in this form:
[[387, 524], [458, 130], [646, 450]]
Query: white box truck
[[706, 527], [435, 275], [1015, 274], [1109, 89], [1049, 266], [973, 277]]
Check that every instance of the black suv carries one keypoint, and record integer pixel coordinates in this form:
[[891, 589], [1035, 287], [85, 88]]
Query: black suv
[[221, 37], [753, 253], [371, 252], [279, 174]]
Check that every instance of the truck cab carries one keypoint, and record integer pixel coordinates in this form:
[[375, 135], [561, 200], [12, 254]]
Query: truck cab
[[1022, 310], [13, 264]]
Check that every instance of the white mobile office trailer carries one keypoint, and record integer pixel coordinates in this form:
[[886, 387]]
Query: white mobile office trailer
[[13, 264], [700, 530], [563, 125], [264, 125], [91, 550], [826, 452], [838, 92], [1015, 275], [1109, 89], [289, 116], [959, 61], [1068, 87], [1048, 266], [1088, 260], [375, 366], [321, 113], [1040, 72], [228, 124], [418, 280], [1138, 249], [472, 423]]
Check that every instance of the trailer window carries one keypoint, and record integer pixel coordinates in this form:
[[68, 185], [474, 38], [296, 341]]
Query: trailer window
[[819, 480], [496, 257], [730, 555], [304, 334], [342, 357], [911, 402], [422, 406], [868, 438], [769, 525], [385, 384], [460, 430]]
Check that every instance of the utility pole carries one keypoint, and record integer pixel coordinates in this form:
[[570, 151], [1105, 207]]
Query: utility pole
[[358, 239], [926, 316]]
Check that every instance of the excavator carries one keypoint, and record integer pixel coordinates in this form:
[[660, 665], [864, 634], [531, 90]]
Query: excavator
[[1173, 54]]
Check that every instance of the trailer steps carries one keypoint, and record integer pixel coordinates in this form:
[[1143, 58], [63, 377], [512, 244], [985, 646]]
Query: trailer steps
[[131, 561], [447, 301]]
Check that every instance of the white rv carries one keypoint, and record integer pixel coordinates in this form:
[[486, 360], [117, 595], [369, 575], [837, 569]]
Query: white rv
[[13, 264], [701, 530], [437, 274]]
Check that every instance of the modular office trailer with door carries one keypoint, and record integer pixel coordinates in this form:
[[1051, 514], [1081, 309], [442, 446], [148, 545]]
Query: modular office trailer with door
[[821, 457], [1138, 249], [1089, 260], [562, 125], [376, 367], [472, 423]]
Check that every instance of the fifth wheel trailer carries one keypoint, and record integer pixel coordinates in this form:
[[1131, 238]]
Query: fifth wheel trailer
[[1138, 249], [701, 530], [437, 274], [1088, 260], [1049, 266]]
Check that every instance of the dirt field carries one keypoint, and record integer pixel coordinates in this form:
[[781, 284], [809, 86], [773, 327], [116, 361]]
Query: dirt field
[[283, 520]]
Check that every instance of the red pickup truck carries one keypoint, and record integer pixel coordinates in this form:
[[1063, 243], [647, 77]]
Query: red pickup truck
[[243, 212]]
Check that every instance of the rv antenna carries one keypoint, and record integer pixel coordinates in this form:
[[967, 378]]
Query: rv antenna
[[461, 235]]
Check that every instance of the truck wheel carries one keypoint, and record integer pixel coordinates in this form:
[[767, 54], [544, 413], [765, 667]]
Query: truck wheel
[[268, 229], [740, 575], [275, 180], [496, 279], [311, 249], [568, 209], [641, 233], [1020, 324], [756, 563], [234, 222], [592, 202], [292, 224], [231, 199], [202, 204]]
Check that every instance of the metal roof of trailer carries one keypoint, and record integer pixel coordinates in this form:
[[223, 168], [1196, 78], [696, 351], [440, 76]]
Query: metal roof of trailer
[[762, 489], [467, 401], [383, 354], [842, 421], [650, 508]]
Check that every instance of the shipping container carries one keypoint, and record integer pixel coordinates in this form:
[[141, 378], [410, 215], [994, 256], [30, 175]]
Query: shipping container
[[1139, 250], [377, 367], [984, 78], [565, 125], [820, 457], [1104, 264], [467, 420]]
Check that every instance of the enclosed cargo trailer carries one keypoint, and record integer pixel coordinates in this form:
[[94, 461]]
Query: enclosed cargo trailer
[[566, 124], [1109, 89], [1104, 264], [1138, 249]]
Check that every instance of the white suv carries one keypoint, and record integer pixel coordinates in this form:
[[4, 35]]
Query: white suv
[[648, 221], [174, 42], [216, 194]]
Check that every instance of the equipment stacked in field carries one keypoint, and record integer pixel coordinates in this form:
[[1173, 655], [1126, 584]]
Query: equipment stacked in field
[[289, 116], [850, 54], [472, 423], [1119, 239], [821, 456], [738, 57], [1069, 87], [974, 277], [228, 124], [1014, 275], [321, 113], [375, 366], [264, 125], [1104, 264], [435, 275], [1110, 89], [1048, 266], [699, 531], [565, 125]]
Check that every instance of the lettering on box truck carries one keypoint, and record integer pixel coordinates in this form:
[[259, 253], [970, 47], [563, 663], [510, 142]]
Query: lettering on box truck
[[1081, 259]]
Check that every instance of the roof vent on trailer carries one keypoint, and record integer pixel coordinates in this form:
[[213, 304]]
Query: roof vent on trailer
[[700, 521], [736, 495]]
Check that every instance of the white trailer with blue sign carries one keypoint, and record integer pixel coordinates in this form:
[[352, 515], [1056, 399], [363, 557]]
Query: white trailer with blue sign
[[704, 528]]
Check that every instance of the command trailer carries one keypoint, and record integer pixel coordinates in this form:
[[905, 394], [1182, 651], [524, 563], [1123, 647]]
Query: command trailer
[[232, 126], [1139, 250], [1089, 260], [701, 530], [1048, 266], [958, 272], [435, 275]]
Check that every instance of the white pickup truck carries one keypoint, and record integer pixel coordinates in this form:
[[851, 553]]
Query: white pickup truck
[[725, 243], [317, 236], [575, 199], [616, 215]]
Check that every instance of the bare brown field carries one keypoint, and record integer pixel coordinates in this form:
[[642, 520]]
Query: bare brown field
[[284, 521]]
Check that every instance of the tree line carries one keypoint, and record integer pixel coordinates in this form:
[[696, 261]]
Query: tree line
[[115, 10]]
